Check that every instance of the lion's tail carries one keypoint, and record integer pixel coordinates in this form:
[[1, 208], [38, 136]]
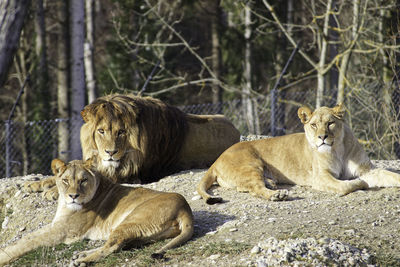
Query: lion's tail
[[205, 183]]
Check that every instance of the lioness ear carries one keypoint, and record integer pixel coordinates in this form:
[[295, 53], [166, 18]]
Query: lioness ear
[[57, 166], [89, 163], [339, 111], [304, 114]]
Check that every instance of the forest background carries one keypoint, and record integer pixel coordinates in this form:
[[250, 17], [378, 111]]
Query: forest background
[[208, 56]]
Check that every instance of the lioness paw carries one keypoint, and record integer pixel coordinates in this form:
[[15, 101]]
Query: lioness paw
[[33, 187], [280, 195], [51, 194]]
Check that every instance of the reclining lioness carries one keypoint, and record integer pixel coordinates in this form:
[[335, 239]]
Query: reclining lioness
[[326, 157], [91, 206]]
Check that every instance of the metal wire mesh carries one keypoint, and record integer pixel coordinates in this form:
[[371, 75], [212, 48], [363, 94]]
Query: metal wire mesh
[[31, 146]]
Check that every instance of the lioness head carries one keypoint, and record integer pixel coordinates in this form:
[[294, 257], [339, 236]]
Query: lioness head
[[76, 183], [323, 127], [108, 125]]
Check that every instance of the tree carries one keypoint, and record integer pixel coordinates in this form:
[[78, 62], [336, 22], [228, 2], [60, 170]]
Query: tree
[[215, 49], [77, 14], [12, 16], [88, 51], [248, 105], [62, 73]]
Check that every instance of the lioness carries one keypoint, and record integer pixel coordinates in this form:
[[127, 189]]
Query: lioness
[[91, 206], [141, 139], [325, 157]]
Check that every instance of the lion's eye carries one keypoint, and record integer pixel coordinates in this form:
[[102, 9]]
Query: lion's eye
[[331, 123], [65, 181], [83, 181], [101, 131], [121, 132], [313, 125]]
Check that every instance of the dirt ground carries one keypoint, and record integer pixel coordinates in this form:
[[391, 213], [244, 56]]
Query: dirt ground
[[365, 219]]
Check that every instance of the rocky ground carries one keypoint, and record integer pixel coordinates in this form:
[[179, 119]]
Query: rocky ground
[[311, 228]]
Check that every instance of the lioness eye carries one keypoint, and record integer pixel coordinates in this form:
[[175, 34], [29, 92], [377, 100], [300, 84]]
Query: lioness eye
[[65, 181], [313, 125], [101, 131]]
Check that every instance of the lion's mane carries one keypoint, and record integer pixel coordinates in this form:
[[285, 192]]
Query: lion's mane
[[155, 130]]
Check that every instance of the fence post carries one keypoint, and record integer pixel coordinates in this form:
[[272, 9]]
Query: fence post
[[8, 146]]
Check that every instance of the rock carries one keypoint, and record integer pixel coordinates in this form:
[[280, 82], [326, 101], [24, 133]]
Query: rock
[[5, 222], [196, 197], [350, 232], [211, 233], [255, 250], [214, 256]]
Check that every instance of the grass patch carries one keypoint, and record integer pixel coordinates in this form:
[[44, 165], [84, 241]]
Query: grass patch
[[50, 255], [62, 254]]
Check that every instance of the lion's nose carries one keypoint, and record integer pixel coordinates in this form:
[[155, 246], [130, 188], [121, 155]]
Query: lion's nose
[[323, 137], [111, 152], [73, 196]]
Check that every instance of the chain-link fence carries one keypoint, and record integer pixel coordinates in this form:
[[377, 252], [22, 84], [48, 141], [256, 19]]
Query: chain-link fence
[[30, 147]]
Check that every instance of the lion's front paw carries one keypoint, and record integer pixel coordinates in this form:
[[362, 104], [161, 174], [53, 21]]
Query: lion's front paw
[[51, 194], [280, 195]]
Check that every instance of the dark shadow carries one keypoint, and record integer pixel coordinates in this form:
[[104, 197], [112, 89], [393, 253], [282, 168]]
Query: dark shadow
[[208, 221]]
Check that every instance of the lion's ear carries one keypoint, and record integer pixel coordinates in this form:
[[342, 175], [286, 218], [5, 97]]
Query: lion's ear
[[57, 166], [85, 115], [304, 114], [339, 111]]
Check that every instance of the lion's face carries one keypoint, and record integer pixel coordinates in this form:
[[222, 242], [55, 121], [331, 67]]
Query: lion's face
[[323, 127], [111, 141], [76, 183]]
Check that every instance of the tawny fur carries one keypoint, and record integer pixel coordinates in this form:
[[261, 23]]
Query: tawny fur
[[326, 157], [141, 139], [91, 206]]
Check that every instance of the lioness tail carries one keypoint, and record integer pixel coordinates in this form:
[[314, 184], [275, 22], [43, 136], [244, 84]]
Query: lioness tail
[[205, 183]]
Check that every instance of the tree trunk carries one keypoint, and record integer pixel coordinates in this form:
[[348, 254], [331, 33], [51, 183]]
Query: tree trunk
[[20, 67], [62, 80], [247, 102], [344, 63], [215, 51], [12, 16], [333, 52], [88, 51], [43, 94], [322, 56], [77, 15]]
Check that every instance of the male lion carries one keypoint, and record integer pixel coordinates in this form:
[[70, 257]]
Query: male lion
[[141, 139], [91, 206], [325, 157]]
